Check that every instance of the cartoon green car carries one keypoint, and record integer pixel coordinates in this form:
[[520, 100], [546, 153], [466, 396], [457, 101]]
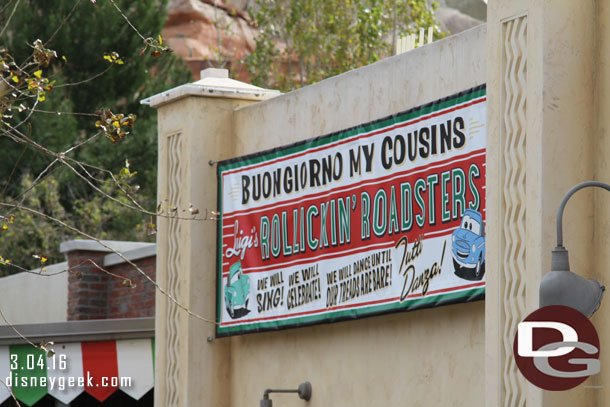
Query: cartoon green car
[[236, 291]]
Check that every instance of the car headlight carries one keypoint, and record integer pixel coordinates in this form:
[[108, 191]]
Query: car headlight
[[474, 248], [235, 292]]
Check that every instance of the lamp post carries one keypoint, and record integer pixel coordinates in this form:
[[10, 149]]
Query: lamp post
[[562, 287]]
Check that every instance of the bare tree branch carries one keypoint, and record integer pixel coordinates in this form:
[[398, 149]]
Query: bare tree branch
[[110, 249], [8, 21]]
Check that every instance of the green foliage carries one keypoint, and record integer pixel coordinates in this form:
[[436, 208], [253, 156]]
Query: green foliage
[[26, 235], [89, 59], [105, 219], [26, 238], [304, 41], [92, 31]]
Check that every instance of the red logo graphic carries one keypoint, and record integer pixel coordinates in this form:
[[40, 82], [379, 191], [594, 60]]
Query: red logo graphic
[[556, 348]]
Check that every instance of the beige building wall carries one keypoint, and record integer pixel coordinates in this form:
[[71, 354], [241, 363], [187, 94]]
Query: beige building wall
[[427, 357], [28, 298]]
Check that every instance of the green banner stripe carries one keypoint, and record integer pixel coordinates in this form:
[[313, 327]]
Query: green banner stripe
[[28, 373], [345, 314], [363, 128]]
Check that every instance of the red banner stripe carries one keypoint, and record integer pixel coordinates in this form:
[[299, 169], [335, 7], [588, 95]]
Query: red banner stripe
[[99, 367], [294, 234]]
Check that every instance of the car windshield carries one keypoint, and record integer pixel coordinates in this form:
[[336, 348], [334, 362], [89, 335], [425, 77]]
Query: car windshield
[[235, 277], [471, 224]]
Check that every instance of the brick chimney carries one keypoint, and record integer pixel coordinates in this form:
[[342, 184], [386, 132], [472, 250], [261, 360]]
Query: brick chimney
[[101, 285]]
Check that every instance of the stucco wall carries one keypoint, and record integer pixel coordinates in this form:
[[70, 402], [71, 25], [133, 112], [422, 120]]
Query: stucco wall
[[27, 298], [430, 357]]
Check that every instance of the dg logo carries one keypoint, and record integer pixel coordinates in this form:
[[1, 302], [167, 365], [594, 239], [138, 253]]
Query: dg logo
[[556, 348]]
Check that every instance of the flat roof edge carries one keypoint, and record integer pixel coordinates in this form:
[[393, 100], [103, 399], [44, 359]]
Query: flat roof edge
[[136, 254], [79, 331], [184, 91], [101, 246]]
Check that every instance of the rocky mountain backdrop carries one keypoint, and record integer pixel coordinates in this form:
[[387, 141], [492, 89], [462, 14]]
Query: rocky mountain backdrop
[[219, 33]]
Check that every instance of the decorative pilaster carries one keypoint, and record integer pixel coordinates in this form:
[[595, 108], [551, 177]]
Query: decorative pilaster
[[174, 150], [513, 202]]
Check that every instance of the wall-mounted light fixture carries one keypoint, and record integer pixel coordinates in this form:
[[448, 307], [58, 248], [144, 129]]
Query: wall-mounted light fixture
[[562, 287], [304, 392]]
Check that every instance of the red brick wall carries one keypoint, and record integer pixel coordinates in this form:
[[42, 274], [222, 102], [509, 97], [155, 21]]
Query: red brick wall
[[132, 302], [95, 294], [87, 297]]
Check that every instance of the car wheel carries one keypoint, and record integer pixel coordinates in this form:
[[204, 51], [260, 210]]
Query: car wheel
[[457, 269], [246, 305], [460, 271], [231, 310], [467, 273]]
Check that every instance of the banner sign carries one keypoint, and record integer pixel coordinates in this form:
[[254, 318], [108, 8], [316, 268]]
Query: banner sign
[[386, 216]]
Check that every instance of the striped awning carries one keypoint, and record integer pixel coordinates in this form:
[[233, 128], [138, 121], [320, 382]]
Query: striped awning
[[98, 368]]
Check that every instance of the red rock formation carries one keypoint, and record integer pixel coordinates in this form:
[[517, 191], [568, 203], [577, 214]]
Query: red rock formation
[[195, 28], [219, 33]]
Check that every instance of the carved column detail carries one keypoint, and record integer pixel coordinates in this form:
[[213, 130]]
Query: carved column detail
[[173, 270], [513, 201]]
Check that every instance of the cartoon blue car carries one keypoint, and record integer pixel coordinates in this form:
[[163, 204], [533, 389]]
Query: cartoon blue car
[[468, 246], [236, 291]]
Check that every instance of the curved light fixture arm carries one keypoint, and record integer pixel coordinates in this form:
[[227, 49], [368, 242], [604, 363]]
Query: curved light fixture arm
[[560, 286], [564, 201]]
